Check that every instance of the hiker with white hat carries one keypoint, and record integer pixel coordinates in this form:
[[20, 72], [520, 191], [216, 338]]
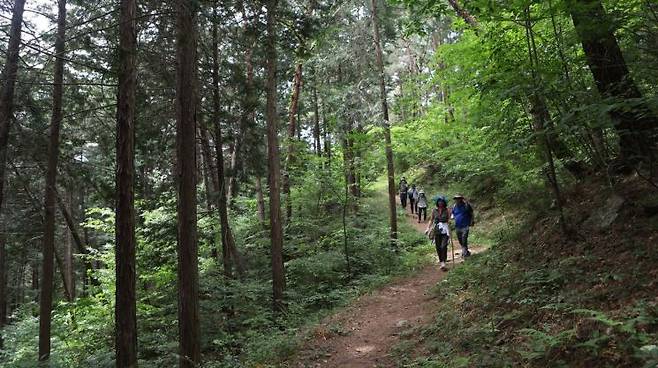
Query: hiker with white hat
[[422, 205], [462, 212]]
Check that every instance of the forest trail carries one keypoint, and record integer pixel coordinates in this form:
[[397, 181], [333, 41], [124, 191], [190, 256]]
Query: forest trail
[[364, 333]]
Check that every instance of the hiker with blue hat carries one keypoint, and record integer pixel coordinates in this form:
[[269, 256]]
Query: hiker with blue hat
[[438, 227], [462, 212]]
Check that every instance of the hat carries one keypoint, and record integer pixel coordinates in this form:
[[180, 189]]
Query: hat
[[421, 192], [458, 196]]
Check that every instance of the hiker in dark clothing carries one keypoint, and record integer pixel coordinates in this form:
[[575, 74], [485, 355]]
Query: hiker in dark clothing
[[439, 220], [422, 206], [403, 192], [462, 212], [412, 194]]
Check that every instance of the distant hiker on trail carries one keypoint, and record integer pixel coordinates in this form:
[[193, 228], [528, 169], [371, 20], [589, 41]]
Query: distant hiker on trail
[[462, 212], [403, 192], [439, 224], [416, 196], [413, 195], [422, 206]]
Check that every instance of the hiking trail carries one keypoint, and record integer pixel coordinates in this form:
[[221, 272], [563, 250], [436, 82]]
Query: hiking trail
[[365, 332]]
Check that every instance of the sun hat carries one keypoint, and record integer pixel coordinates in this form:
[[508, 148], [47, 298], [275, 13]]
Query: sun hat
[[457, 196]]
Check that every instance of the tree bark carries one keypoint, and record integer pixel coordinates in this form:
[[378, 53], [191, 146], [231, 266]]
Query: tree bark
[[228, 242], [637, 127], [186, 103], [292, 128], [316, 120], [125, 311], [276, 231], [46, 302], [204, 160], [259, 199], [3, 286], [464, 14], [326, 137], [68, 254], [387, 130], [8, 79], [542, 119]]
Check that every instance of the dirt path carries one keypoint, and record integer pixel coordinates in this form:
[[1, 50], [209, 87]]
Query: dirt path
[[364, 333]]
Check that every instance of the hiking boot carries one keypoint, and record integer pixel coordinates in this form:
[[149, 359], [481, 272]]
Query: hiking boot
[[443, 266], [467, 254]]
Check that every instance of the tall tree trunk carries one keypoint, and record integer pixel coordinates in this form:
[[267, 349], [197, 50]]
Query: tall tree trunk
[[125, 310], [204, 159], [316, 120], [259, 199], [209, 180], [292, 128], [348, 160], [326, 137], [46, 303], [186, 102], [542, 119], [637, 127], [235, 166], [61, 267], [8, 80], [387, 130], [228, 242], [68, 254], [3, 286], [276, 231], [248, 118]]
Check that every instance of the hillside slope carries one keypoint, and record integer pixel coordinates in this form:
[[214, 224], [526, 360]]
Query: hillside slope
[[539, 298]]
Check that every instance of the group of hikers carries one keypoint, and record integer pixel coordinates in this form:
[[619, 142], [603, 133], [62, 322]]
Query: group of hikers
[[438, 228]]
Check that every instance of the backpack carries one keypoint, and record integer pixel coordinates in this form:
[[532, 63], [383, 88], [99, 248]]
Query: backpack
[[469, 210]]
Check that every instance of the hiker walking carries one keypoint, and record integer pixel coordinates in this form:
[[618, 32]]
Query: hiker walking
[[462, 212], [421, 204], [413, 195], [416, 196], [439, 222], [403, 192]]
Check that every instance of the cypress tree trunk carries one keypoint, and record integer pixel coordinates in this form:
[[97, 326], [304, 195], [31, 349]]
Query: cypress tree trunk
[[8, 79], [259, 199], [68, 254], [46, 302], [326, 138], [204, 145], [125, 311], [228, 242], [637, 127], [186, 102], [316, 117], [3, 287], [276, 231], [292, 128], [387, 130]]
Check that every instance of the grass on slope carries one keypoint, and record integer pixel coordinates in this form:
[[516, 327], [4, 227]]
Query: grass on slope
[[539, 299]]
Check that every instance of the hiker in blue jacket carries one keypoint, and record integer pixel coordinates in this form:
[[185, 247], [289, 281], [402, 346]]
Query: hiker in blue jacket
[[462, 212]]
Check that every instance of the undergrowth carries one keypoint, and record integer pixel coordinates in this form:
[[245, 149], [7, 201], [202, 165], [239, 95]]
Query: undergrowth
[[237, 325], [540, 299]]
